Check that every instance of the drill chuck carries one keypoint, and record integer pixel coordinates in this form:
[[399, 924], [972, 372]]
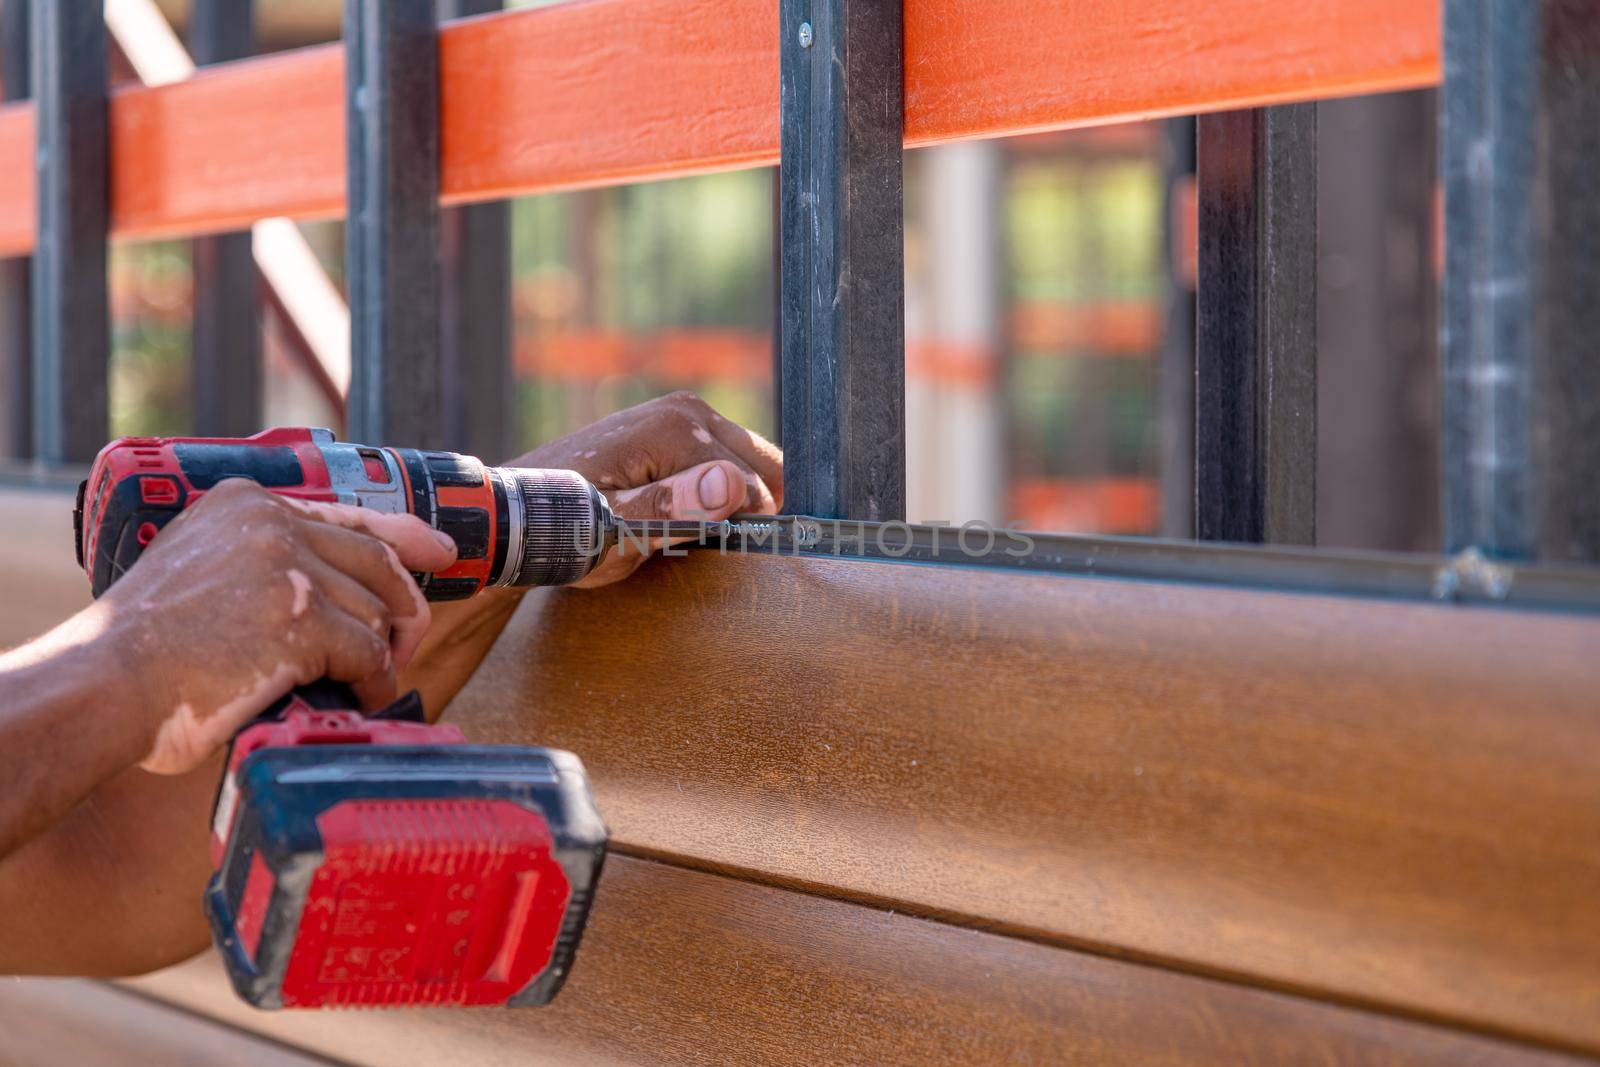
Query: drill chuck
[[557, 526]]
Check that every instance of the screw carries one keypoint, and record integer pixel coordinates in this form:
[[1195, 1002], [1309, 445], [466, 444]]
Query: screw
[[806, 36]]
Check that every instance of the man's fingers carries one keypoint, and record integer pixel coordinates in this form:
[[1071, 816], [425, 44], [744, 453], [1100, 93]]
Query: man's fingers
[[357, 656], [419, 546], [377, 566], [762, 456], [353, 598], [706, 492], [377, 692]]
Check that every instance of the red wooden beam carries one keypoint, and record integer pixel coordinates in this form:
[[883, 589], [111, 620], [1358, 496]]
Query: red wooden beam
[[613, 91]]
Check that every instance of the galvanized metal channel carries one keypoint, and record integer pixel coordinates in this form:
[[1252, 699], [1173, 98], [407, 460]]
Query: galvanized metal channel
[[842, 272], [1519, 143]]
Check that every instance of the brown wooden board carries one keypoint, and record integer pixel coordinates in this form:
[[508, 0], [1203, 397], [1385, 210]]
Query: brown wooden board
[[684, 967], [1381, 802], [40, 583], [55, 1022]]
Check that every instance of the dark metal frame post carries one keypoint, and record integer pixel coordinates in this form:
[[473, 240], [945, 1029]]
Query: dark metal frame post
[[71, 317], [226, 370], [1519, 142], [476, 386], [392, 221], [1256, 357], [16, 287], [842, 309]]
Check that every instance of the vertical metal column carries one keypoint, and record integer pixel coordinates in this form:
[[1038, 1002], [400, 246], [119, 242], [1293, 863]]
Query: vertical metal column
[[476, 386], [1519, 144], [16, 304], [226, 371], [1256, 358], [842, 310], [392, 220], [71, 331]]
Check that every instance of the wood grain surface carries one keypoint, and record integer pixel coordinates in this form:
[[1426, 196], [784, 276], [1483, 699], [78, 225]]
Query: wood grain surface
[[1386, 804], [65, 1022], [684, 967], [616, 91], [1382, 802]]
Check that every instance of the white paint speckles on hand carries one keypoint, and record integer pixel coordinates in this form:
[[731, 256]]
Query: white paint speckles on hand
[[629, 494], [702, 435], [590, 454], [184, 739], [408, 629], [302, 592]]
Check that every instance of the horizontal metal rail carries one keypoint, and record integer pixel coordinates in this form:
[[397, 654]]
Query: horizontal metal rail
[[617, 91], [1467, 578]]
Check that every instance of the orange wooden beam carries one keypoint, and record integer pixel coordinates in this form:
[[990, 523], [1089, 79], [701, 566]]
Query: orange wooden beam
[[614, 91]]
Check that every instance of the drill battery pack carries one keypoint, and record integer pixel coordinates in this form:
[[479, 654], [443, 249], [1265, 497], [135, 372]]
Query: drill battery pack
[[379, 863]]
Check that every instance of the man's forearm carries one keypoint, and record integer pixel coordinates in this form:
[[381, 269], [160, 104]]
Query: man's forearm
[[70, 721], [463, 631], [114, 888]]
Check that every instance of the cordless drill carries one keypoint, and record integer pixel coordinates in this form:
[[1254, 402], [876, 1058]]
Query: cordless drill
[[378, 860]]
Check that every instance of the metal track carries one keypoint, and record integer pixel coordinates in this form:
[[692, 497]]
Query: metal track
[[1467, 578]]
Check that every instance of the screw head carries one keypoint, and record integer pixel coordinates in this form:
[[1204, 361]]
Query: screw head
[[806, 35]]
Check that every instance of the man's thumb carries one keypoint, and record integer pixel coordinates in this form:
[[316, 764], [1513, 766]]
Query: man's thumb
[[705, 493]]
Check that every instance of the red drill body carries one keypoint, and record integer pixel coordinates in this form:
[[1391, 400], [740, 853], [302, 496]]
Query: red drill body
[[512, 526]]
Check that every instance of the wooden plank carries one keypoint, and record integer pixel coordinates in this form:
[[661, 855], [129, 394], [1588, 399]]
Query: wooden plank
[[46, 1022], [43, 583], [684, 967], [1386, 802], [615, 91], [18, 203], [1378, 802], [16, 274]]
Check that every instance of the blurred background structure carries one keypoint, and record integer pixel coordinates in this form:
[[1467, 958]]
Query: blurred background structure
[[1049, 305]]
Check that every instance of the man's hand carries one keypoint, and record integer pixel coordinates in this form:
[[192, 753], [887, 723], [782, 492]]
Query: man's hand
[[248, 594], [668, 458]]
